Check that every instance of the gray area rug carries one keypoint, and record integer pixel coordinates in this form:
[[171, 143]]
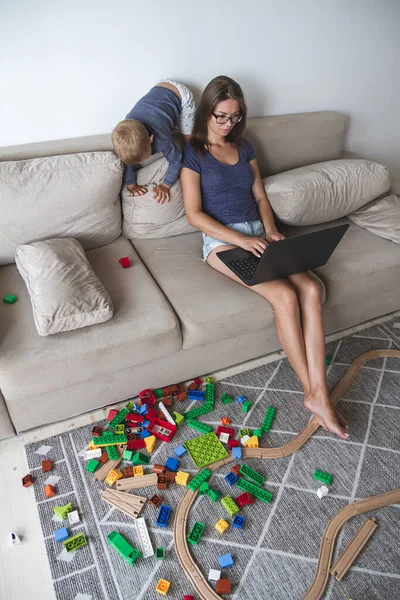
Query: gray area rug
[[276, 553]]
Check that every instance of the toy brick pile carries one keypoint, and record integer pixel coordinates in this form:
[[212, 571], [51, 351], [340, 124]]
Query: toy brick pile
[[132, 434]]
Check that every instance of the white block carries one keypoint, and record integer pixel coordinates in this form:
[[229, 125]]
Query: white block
[[73, 517], [145, 544], [244, 439], [396, 325], [322, 491], [224, 437], [164, 410], [96, 453], [15, 539], [214, 575]]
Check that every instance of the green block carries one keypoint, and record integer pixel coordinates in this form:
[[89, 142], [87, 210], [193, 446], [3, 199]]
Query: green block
[[230, 506], [322, 476], [119, 418], [158, 393], [62, 511], [226, 399], [215, 495], [119, 429], [130, 406], [127, 455], [108, 438], [112, 452], [327, 361], [140, 459], [247, 486], [197, 412], [178, 418], [92, 465], [244, 432], [204, 488], [251, 474], [209, 397], [202, 427], [205, 449], [9, 298], [196, 533], [196, 482], [160, 553], [246, 406], [124, 549], [209, 379], [257, 432], [74, 542], [269, 417]]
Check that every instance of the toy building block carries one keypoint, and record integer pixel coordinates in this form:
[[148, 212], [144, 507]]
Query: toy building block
[[140, 459], [196, 482], [252, 442], [322, 492], [92, 465], [161, 482], [147, 397], [124, 549], [236, 470], [61, 534], [233, 444], [27, 481], [146, 547], [209, 379], [118, 418], [193, 386], [9, 299], [204, 489], [244, 440], [75, 542], [172, 464], [96, 453], [209, 396], [49, 490], [196, 395], [163, 516], [223, 586], [196, 533], [240, 399], [225, 561], [230, 506], [244, 432], [182, 478], [63, 511], [157, 393], [182, 396], [127, 455], [130, 406], [269, 417], [246, 406], [143, 409], [197, 381], [162, 429], [179, 451], [125, 262], [231, 478], [222, 429], [136, 445], [236, 452], [145, 434], [15, 539], [327, 361], [245, 499], [251, 474], [73, 518], [224, 437], [119, 429], [96, 431], [128, 472], [160, 553], [214, 575], [238, 521], [112, 453], [134, 418], [324, 477], [186, 597], [112, 414], [138, 471], [108, 438], [226, 399], [197, 412], [225, 421], [46, 466], [258, 432], [159, 469], [205, 449], [202, 427], [170, 476], [156, 500], [163, 586], [113, 476], [178, 418], [221, 526], [215, 495], [166, 414], [247, 486]]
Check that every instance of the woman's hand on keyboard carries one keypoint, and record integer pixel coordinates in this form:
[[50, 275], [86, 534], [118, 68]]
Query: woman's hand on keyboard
[[274, 236], [253, 244]]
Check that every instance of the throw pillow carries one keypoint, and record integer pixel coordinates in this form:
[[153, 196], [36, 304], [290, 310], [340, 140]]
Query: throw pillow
[[381, 217], [64, 290], [325, 191]]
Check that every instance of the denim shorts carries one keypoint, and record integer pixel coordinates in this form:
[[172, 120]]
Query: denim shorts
[[250, 228]]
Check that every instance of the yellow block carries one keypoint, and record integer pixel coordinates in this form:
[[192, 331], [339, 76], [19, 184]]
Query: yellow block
[[150, 443], [91, 445], [163, 585], [138, 470], [252, 442], [182, 478], [221, 526], [113, 476]]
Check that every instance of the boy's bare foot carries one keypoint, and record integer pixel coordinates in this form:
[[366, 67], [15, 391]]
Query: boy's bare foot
[[326, 416]]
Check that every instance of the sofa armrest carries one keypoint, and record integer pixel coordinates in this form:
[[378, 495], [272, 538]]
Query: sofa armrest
[[395, 188]]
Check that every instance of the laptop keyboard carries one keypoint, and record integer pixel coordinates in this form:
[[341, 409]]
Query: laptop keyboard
[[245, 267]]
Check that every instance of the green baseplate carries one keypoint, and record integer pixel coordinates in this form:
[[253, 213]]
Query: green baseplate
[[205, 449]]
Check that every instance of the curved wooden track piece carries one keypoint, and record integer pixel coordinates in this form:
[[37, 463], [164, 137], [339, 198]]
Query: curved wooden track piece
[[181, 547]]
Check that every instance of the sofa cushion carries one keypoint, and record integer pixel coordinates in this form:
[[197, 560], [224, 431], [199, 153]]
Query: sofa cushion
[[325, 191], [381, 217], [64, 290], [209, 305], [76, 195], [144, 217], [143, 327]]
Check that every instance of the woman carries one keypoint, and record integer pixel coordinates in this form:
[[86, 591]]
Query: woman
[[225, 199]]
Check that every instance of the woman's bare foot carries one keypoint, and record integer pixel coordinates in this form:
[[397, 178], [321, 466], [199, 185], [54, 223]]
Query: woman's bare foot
[[326, 416]]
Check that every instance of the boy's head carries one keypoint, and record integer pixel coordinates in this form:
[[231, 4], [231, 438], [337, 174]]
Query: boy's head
[[132, 142]]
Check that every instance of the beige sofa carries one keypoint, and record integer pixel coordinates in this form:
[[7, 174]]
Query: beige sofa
[[175, 318]]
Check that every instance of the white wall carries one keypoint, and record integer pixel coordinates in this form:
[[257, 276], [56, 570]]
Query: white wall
[[77, 67]]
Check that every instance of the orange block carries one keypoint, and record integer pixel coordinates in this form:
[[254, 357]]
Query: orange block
[[49, 491], [163, 587]]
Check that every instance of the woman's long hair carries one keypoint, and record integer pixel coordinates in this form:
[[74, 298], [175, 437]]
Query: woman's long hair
[[220, 88]]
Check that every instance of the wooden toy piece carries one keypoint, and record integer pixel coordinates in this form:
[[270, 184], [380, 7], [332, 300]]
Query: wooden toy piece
[[49, 490], [46, 466], [129, 504], [137, 482], [353, 549], [27, 481]]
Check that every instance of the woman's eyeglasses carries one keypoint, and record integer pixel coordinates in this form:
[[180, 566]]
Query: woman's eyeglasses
[[222, 119]]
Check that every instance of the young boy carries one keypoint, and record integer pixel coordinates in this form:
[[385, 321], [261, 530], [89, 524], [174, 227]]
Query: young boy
[[147, 129]]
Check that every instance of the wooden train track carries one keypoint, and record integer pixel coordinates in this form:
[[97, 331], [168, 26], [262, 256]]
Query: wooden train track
[[318, 585]]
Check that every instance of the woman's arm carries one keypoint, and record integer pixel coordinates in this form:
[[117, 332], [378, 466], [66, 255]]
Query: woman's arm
[[263, 205]]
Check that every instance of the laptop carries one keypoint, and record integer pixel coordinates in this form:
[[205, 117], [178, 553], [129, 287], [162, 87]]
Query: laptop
[[285, 257]]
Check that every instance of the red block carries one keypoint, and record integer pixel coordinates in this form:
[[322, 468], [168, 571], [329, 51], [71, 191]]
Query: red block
[[147, 397], [233, 444], [229, 430], [135, 444], [151, 414], [125, 262], [244, 499], [186, 597], [157, 426], [112, 414], [198, 380], [134, 418]]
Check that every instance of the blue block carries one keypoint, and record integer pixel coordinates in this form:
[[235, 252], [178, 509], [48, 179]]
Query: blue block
[[225, 561], [61, 534], [236, 452], [180, 451], [143, 409], [145, 434], [172, 464], [231, 478], [238, 521], [146, 423], [240, 399], [195, 395], [163, 516]]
